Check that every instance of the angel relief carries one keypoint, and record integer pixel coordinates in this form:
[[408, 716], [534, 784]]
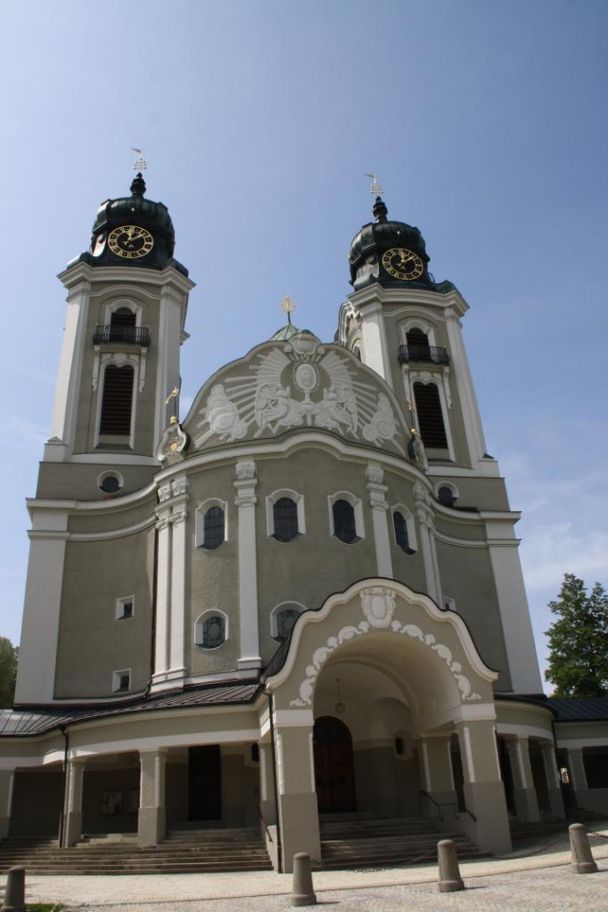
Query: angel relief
[[286, 388]]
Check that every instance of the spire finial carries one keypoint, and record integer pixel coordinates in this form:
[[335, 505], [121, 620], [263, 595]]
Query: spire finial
[[380, 211], [141, 164], [288, 306], [138, 185]]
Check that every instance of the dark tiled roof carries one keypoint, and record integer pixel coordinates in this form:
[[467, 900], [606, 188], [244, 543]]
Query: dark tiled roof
[[37, 721], [579, 709]]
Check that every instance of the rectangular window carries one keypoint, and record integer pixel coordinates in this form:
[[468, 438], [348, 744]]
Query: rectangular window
[[125, 607], [121, 681]]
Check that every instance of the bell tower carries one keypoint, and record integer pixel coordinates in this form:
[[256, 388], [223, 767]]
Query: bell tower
[[127, 299]]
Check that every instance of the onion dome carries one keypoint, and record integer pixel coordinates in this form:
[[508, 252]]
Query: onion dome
[[133, 231], [389, 253]]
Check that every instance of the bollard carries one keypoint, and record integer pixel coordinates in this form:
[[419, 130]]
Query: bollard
[[449, 873], [582, 859], [303, 893], [14, 896]]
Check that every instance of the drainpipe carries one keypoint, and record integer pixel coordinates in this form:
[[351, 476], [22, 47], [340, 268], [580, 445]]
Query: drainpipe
[[276, 785]]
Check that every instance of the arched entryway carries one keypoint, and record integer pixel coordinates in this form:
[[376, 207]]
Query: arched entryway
[[334, 766]]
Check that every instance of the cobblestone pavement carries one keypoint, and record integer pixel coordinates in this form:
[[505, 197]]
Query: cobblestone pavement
[[535, 878], [548, 890]]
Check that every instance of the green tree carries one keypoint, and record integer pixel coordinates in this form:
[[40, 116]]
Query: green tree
[[578, 640], [8, 672]]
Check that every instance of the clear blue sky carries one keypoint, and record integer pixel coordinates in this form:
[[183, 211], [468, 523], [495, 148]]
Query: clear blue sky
[[486, 122]]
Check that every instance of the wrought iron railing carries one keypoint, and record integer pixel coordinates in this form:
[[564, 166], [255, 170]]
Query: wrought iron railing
[[429, 354], [131, 335]]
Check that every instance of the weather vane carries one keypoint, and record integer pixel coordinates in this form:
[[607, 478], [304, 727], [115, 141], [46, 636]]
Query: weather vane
[[375, 188], [140, 164], [288, 306]]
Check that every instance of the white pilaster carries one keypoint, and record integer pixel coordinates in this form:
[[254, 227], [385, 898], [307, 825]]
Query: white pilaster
[[177, 663], [245, 501], [172, 307], [67, 389], [459, 364], [379, 506], [163, 598], [373, 335], [424, 513]]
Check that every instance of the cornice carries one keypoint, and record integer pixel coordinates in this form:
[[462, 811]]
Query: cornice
[[124, 274]]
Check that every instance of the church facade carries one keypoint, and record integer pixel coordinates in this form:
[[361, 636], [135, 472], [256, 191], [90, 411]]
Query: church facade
[[303, 598]]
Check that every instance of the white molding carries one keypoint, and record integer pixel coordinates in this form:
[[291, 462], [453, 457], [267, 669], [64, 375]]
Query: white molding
[[525, 731], [116, 688], [111, 533], [414, 321], [378, 504], [155, 742], [246, 500], [580, 743], [293, 718]]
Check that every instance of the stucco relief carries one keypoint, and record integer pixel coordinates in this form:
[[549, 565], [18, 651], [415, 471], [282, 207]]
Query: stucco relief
[[297, 385], [378, 605]]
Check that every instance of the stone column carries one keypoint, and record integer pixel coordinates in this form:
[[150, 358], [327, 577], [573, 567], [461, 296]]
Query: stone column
[[554, 786], [151, 817], [483, 788], [245, 501], [72, 825], [7, 782], [298, 811], [524, 793], [436, 765], [424, 512], [268, 808], [578, 777], [379, 506]]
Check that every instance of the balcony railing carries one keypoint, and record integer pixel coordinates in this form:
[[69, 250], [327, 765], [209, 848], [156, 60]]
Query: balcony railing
[[129, 335], [429, 354]]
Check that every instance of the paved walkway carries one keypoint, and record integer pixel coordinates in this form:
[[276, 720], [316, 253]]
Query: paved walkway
[[535, 878]]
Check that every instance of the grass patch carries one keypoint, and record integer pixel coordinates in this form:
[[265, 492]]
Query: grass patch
[[44, 907]]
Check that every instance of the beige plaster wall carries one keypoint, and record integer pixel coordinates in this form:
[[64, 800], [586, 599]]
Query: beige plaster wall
[[37, 803], [92, 642], [466, 576], [78, 481]]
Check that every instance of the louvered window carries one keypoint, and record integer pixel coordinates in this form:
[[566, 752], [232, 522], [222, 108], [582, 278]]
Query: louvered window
[[285, 517], [117, 400], [122, 317], [344, 521], [213, 528], [430, 416]]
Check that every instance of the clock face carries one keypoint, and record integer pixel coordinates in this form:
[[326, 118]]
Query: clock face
[[402, 264], [130, 242]]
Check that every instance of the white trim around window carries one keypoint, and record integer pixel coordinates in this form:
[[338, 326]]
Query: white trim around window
[[199, 519], [118, 680], [298, 499], [125, 608], [199, 635], [276, 611], [409, 522], [357, 505]]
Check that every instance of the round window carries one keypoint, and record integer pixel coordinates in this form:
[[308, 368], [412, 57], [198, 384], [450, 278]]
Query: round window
[[110, 484]]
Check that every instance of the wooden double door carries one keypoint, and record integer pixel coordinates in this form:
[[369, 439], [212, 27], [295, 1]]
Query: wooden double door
[[334, 766]]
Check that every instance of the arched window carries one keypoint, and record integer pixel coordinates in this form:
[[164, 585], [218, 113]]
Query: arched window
[[446, 495], [211, 629], [282, 620], [213, 528], [117, 400], [430, 415], [285, 519], [122, 325], [401, 532], [418, 345], [345, 527]]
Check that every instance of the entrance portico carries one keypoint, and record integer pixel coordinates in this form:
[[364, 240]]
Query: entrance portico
[[384, 666]]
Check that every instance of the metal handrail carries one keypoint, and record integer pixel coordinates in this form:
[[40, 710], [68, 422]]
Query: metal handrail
[[453, 804], [429, 354], [131, 335]]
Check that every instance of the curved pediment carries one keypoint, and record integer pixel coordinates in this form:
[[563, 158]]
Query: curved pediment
[[300, 383]]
